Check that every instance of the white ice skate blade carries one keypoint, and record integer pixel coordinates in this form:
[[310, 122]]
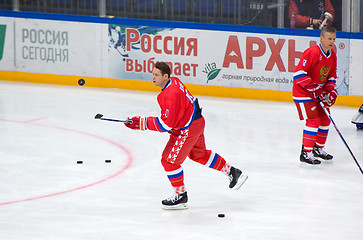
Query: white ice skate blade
[[327, 161], [241, 180], [312, 166], [181, 206], [322, 160]]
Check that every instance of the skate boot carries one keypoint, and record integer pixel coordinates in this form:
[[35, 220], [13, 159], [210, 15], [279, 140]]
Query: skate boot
[[307, 158], [236, 178], [176, 202], [322, 155]]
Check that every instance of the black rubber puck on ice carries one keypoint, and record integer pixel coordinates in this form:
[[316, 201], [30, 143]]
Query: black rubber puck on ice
[[81, 82], [108, 161], [221, 215], [79, 162]]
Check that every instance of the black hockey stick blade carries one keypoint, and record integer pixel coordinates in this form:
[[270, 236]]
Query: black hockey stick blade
[[100, 116]]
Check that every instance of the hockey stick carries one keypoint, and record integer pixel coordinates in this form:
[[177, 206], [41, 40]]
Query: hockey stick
[[100, 116], [341, 136]]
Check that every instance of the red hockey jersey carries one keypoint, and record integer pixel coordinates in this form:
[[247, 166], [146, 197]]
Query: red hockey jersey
[[177, 108], [316, 69]]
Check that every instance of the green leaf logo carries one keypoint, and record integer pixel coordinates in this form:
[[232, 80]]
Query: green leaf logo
[[213, 74], [2, 39]]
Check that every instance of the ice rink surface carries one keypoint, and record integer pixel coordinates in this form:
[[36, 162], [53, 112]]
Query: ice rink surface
[[45, 194]]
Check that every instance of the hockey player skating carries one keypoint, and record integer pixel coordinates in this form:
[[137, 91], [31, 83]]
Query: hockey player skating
[[314, 81], [182, 118]]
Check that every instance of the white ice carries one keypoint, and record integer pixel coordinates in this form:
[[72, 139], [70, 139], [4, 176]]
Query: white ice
[[45, 194]]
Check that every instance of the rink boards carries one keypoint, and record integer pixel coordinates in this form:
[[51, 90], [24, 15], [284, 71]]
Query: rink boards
[[213, 60]]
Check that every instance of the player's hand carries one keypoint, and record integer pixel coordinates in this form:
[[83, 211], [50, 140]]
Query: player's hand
[[138, 123], [314, 92], [329, 99]]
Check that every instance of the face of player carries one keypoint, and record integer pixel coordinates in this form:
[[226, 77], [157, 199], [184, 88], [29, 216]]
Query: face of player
[[327, 41], [159, 80]]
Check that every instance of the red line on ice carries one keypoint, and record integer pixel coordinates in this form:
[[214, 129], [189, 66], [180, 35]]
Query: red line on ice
[[128, 164], [33, 120]]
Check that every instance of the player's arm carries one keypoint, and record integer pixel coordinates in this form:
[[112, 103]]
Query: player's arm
[[172, 111], [303, 80], [164, 123], [147, 123], [300, 76]]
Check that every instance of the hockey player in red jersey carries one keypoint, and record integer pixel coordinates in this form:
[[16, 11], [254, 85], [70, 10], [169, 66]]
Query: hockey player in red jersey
[[314, 81], [182, 118]]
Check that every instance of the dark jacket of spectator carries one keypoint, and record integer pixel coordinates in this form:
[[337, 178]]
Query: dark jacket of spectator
[[310, 12]]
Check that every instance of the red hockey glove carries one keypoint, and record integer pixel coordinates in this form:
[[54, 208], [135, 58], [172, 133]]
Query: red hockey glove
[[138, 123], [314, 92], [329, 98]]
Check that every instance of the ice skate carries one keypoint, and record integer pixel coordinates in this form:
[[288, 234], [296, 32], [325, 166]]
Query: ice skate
[[307, 159], [236, 178], [176, 202], [358, 118], [322, 155]]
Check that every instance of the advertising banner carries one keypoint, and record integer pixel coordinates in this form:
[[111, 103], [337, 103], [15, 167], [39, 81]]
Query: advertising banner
[[53, 47], [204, 57]]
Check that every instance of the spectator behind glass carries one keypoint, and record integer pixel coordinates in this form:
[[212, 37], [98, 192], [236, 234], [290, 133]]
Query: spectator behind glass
[[310, 13]]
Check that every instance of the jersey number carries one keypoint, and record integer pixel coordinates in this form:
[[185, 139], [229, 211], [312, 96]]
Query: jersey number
[[187, 94]]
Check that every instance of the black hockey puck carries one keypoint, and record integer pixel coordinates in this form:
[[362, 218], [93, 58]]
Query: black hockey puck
[[81, 82], [79, 162], [221, 215], [107, 161]]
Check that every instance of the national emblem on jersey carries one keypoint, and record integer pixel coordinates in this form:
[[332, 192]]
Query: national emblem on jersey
[[324, 70]]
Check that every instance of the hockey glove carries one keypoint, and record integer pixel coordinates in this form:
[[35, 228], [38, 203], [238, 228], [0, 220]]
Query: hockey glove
[[314, 92], [329, 98], [138, 123]]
